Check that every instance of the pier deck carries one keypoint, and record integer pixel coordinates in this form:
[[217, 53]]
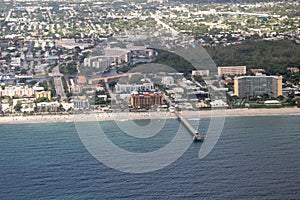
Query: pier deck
[[191, 129]]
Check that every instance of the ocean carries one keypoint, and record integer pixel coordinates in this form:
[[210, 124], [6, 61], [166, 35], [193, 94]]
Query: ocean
[[255, 158]]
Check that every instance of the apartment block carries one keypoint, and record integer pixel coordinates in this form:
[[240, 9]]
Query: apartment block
[[253, 86], [146, 99], [232, 70]]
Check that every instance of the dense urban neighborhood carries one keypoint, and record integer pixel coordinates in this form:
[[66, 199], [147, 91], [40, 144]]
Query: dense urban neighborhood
[[66, 57]]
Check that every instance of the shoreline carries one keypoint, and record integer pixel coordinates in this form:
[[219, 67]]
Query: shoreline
[[148, 115]]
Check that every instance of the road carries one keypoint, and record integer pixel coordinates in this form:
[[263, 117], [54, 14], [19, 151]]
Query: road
[[157, 18], [8, 15], [230, 13], [58, 83]]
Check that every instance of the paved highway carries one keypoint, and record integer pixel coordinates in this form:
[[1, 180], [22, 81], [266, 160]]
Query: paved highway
[[58, 83], [157, 18]]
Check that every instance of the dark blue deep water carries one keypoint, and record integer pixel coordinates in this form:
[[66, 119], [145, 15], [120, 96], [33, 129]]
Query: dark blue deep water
[[255, 158]]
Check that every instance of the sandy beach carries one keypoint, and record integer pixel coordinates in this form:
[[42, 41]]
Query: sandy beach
[[144, 115]]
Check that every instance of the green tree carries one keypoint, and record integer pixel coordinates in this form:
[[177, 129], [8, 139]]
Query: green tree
[[42, 99], [10, 102], [18, 106], [52, 87], [272, 56], [60, 108], [23, 71], [44, 84], [32, 83], [70, 69]]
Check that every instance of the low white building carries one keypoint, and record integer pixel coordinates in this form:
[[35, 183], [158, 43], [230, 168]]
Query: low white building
[[167, 80], [5, 107], [218, 104], [68, 106], [80, 104], [272, 102], [128, 88], [104, 97], [27, 107], [176, 90], [200, 73], [47, 106]]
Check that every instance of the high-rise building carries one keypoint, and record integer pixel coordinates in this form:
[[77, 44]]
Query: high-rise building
[[232, 70], [146, 99], [253, 86]]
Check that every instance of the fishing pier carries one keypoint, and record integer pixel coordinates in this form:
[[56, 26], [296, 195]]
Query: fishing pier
[[191, 129]]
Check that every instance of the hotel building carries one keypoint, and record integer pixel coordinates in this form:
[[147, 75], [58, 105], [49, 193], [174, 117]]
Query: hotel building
[[146, 99], [252, 86]]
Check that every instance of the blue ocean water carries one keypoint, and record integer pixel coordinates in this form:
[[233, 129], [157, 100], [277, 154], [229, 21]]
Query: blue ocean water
[[255, 158]]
